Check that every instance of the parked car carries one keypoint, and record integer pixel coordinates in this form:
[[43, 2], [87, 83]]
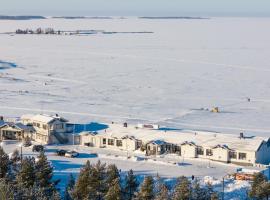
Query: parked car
[[38, 148], [61, 152], [27, 143], [71, 154]]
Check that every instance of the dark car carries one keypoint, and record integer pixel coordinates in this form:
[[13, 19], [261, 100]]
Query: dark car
[[61, 152], [37, 148]]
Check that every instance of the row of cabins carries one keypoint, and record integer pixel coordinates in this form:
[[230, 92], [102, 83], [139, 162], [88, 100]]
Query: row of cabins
[[225, 148], [48, 129]]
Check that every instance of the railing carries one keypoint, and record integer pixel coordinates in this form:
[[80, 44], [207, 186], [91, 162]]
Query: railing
[[61, 140]]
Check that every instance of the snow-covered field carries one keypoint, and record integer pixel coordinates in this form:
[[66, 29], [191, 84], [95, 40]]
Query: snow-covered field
[[164, 77]]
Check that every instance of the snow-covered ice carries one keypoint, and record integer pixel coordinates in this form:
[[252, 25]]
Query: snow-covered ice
[[165, 77]]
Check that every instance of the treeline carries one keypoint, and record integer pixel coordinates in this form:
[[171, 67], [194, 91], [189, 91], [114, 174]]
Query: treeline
[[37, 31], [32, 179], [101, 182], [5, 17], [26, 178]]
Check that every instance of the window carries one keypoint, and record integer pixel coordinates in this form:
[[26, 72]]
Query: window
[[209, 152], [233, 154], [44, 126], [104, 140], [38, 125], [200, 151], [119, 143], [59, 126], [110, 142], [242, 156], [34, 124]]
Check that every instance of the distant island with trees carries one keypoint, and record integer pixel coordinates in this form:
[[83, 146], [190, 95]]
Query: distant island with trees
[[22, 17]]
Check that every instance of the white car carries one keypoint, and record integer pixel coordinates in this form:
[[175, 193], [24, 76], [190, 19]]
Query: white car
[[71, 154]]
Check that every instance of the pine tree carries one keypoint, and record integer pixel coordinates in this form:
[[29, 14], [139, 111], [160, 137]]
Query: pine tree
[[160, 189], [147, 189], [98, 181], [214, 196], [14, 166], [44, 171], [256, 187], [26, 176], [112, 174], [6, 191], [131, 185], [163, 193], [182, 189], [114, 192], [15, 157], [44, 175], [81, 189], [198, 193], [4, 161], [69, 188]]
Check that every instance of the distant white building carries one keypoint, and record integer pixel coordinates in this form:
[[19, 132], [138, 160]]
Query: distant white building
[[220, 147]]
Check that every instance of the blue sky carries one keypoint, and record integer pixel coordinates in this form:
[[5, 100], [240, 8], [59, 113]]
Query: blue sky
[[137, 7]]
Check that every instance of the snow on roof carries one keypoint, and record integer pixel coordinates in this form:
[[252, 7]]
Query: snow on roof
[[47, 118], [18, 126], [199, 138], [27, 116]]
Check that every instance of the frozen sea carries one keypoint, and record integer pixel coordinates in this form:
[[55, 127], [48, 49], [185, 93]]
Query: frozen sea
[[164, 77]]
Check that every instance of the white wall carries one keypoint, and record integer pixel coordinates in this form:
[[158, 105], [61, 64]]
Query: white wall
[[220, 154], [188, 151]]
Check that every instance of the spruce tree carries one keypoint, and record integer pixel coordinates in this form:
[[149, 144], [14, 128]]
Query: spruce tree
[[82, 189], [131, 185], [256, 189], [26, 176], [44, 171], [98, 181], [182, 189], [163, 192], [209, 191], [160, 189], [4, 162], [69, 188], [147, 189], [197, 191], [6, 191], [114, 192], [14, 166], [112, 174], [214, 196]]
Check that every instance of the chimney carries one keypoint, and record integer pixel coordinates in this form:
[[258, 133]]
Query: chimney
[[1, 118], [125, 125], [241, 135], [56, 115]]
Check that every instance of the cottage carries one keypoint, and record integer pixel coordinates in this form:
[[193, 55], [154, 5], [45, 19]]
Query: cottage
[[105, 140], [15, 131]]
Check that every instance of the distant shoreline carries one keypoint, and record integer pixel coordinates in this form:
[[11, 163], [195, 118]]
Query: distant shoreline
[[22, 17], [33, 17]]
